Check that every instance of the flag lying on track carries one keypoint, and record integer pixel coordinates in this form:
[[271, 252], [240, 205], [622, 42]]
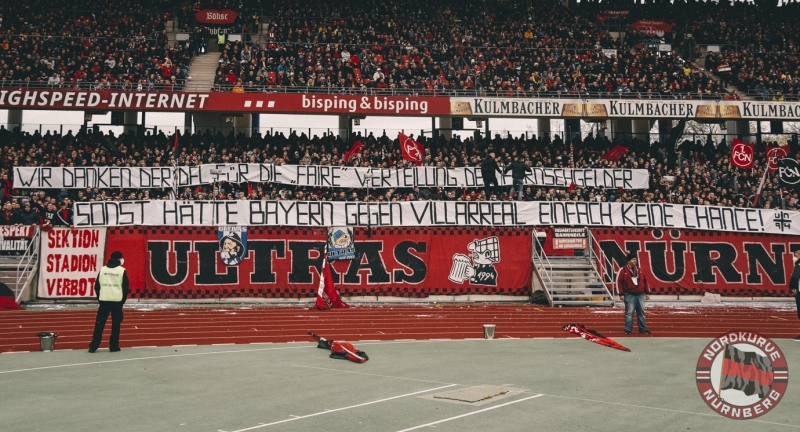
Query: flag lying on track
[[746, 371], [7, 302], [327, 296], [340, 350], [593, 336]]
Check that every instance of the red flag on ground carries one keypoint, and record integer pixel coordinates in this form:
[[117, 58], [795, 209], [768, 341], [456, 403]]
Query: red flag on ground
[[327, 296], [616, 153], [340, 350], [742, 154], [774, 154], [593, 336], [412, 150], [177, 137], [354, 150], [7, 301]]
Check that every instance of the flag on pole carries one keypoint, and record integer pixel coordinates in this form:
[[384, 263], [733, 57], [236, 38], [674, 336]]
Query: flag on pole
[[760, 186], [774, 154], [412, 150], [177, 137], [327, 296], [742, 154], [616, 153], [354, 150], [571, 164]]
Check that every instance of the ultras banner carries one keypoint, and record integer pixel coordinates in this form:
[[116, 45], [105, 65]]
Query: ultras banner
[[183, 262], [313, 175], [434, 213], [679, 261]]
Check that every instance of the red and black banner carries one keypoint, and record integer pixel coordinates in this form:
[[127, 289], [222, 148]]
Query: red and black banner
[[681, 261], [746, 371], [184, 262]]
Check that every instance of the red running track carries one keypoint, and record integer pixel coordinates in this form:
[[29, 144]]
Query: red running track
[[251, 324]]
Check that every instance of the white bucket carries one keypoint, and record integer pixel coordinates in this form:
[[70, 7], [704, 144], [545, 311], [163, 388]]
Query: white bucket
[[488, 331]]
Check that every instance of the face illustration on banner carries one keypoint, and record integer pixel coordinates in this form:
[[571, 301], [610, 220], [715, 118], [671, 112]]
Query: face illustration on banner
[[480, 271], [231, 248]]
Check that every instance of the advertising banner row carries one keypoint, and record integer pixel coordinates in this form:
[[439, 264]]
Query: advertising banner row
[[435, 213], [366, 104], [314, 176], [195, 262]]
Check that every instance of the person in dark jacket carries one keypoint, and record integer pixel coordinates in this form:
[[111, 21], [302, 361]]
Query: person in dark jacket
[[489, 169], [112, 289], [28, 216], [634, 291], [794, 284], [8, 216], [63, 217], [518, 170]]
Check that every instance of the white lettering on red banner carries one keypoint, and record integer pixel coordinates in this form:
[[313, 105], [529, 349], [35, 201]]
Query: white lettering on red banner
[[70, 261]]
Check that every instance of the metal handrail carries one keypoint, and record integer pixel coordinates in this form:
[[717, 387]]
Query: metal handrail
[[540, 258], [596, 253], [27, 264]]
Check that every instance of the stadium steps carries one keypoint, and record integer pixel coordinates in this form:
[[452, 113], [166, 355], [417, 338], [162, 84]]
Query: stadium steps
[[11, 273], [203, 69], [572, 281]]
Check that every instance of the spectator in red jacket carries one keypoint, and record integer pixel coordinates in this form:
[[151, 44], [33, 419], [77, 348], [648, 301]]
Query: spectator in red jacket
[[634, 291]]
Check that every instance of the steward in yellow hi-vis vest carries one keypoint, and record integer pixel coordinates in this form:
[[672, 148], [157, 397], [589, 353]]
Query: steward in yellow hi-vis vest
[[112, 290]]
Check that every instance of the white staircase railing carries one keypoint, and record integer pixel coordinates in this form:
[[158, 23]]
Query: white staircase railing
[[28, 264], [542, 266], [605, 268]]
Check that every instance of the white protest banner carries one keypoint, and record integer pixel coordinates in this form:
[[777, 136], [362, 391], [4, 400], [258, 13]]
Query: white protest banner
[[314, 176], [435, 213], [70, 261]]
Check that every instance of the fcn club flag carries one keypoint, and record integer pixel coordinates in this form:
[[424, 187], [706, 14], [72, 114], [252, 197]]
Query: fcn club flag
[[774, 154], [412, 150], [742, 154], [354, 150], [616, 153]]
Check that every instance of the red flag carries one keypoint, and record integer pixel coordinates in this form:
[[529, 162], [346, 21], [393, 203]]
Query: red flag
[[177, 137], [616, 153], [774, 154], [742, 154], [354, 150], [327, 296], [593, 336], [412, 150]]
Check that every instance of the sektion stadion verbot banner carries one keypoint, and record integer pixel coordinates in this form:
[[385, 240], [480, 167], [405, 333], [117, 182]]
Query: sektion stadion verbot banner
[[70, 261]]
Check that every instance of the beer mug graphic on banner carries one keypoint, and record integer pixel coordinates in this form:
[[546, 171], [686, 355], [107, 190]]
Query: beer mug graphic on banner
[[458, 273]]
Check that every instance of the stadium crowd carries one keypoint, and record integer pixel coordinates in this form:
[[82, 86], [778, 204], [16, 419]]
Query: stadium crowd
[[100, 46], [699, 173]]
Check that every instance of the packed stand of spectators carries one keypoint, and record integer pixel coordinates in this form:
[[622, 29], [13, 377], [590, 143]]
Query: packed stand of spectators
[[93, 44], [700, 173], [759, 49], [434, 47]]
